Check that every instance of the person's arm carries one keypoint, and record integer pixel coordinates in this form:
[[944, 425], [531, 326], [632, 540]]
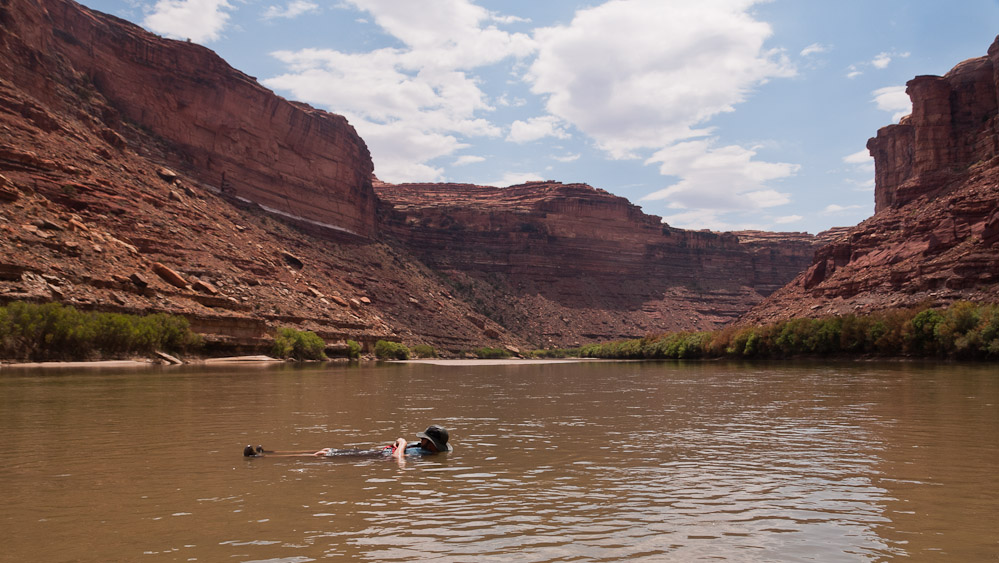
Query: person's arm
[[399, 449]]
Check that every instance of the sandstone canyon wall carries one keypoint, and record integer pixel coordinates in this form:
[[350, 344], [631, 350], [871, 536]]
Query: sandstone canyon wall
[[934, 235], [229, 132], [93, 110], [567, 263]]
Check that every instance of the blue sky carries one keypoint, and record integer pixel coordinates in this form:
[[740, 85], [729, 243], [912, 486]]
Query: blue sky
[[718, 114]]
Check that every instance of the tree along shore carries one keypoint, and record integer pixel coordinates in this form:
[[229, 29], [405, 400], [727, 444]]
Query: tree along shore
[[965, 331]]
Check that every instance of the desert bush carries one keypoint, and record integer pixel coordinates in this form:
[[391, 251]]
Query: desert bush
[[920, 334], [386, 350], [555, 353], [298, 344], [955, 333], [52, 331], [424, 351], [353, 350], [492, 353]]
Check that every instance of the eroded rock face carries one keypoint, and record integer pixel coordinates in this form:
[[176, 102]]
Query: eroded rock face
[[568, 263], [110, 199], [952, 126], [233, 135], [933, 238]]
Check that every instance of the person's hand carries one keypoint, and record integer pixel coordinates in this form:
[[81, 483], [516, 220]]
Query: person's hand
[[399, 448]]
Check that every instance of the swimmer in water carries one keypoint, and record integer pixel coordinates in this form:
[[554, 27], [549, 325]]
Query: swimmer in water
[[433, 440]]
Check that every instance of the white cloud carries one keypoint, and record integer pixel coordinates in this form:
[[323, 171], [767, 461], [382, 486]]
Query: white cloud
[[468, 159], [567, 158], [883, 59], [508, 19], [536, 128], [410, 104], [725, 178], [514, 178], [813, 49], [636, 74], [291, 10], [507, 102], [835, 208], [893, 99], [859, 157], [198, 20], [865, 185], [709, 219], [445, 33], [880, 62], [788, 219]]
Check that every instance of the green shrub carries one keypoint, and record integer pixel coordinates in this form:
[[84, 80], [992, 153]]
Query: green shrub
[[424, 351], [955, 333], [353, 350], [492, 353], [386, 350], [921, 333], [298, 344], [963, 330], [556, 353], [52, 331]]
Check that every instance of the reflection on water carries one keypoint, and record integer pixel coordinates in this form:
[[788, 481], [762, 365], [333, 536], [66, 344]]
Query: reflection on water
[[580, 462]]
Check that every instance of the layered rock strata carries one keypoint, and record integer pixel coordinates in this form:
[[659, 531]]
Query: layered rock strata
[[226, 131], [112, 145], [934, 235], [564, 264]]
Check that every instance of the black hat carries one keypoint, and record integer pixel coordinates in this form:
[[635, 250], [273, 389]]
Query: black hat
[[437, 435]]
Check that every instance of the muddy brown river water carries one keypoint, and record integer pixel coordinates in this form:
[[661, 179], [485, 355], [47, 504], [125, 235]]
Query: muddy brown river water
[[559, 462]]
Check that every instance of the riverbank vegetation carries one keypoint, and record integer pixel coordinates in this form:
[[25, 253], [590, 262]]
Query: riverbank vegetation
[[424, 351], [962, 331], [487, 353], [51, 331], [388, 350], [298, 344]]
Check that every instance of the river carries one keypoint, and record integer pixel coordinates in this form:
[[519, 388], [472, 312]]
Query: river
[[556, 462]]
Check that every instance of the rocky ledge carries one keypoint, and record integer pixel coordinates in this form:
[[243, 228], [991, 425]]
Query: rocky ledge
[[563, 264], [934, 237]]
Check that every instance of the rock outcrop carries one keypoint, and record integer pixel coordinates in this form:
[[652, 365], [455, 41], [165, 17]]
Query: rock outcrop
[[112, 145], [230, 134], [564, 264], [934, 234]]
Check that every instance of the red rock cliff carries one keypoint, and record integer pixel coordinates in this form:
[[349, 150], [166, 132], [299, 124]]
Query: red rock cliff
[[567, 263], [952, 126], [232, 134], [935, 234]]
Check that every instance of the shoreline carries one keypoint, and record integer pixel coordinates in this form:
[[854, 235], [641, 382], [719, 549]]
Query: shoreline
[[503, 361], [261, 359], [143, 363]]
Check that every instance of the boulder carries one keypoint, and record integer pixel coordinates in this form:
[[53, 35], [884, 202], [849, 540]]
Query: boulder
[[138, 280], [292, 260], [166, 174], [203, 287], [170, 276]]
